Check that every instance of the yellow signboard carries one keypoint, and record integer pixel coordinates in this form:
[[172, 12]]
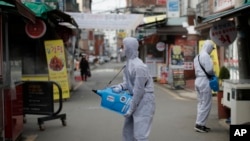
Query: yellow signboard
[[214, 56], [57, 67]]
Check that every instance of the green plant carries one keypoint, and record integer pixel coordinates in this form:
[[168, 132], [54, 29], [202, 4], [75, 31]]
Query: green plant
[[224, 73]]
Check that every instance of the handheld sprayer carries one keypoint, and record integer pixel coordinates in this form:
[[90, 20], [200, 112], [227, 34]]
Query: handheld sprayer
[[117, 102]]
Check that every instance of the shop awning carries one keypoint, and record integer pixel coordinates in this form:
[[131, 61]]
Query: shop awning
[[44, 11], [172, 30], [20, 8], [3, 3], [206, 22], [154, 24], [40, 9], [162, 28], [150, 28]]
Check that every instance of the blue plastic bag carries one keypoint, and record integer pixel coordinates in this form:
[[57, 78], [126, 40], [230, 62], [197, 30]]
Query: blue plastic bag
[[214, 84]]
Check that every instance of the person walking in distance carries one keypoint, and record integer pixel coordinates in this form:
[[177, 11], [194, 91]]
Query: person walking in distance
[[84, 68], [138, 81], [204, 92]]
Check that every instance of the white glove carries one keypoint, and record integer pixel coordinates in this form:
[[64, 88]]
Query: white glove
[[128, 113], [130, 110], [116, 88]]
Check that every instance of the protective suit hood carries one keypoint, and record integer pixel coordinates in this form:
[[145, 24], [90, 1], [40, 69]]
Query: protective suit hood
[[208, 47], [131, 46]]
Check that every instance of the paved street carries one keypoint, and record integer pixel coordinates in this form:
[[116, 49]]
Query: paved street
[[87, 121]]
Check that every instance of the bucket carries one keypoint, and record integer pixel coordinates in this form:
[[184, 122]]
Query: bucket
[[117, 102]]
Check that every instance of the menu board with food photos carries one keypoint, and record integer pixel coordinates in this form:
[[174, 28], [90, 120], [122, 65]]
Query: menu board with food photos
[[57, 66]]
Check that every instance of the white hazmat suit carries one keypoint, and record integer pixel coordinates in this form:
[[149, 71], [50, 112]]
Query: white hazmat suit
[[204, 92], [137, 80]]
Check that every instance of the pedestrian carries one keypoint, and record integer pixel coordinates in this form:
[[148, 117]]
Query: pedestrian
[[204, 92], [84, 68], [138, 81]]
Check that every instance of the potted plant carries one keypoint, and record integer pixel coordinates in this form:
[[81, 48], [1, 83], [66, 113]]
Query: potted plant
[[224, 74], [223, 112]]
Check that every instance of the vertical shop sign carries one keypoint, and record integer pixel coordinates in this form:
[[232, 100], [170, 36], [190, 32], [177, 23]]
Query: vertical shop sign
[[214, 56], [173, 8], [57, 66], [189, 55]]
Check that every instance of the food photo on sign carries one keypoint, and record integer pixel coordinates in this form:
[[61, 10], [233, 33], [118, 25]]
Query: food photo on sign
[[223, 33], [56, 63]]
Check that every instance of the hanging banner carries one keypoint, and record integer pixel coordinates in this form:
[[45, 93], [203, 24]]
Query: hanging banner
[[107, 21], [223, 33], [57, 67], [214, 56]]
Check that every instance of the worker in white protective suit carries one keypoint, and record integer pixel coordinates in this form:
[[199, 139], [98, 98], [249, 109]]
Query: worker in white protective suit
[[137, 80], [204, 92]]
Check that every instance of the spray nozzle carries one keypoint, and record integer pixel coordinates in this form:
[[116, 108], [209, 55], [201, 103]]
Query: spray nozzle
[[95, 91]]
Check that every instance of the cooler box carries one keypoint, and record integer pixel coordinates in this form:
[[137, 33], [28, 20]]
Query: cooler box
[[117, 102]]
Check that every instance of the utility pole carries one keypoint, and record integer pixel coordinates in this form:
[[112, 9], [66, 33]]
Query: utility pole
[[243, 44]]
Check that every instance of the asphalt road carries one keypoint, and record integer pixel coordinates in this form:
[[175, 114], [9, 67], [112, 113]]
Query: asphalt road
[[87, 121]]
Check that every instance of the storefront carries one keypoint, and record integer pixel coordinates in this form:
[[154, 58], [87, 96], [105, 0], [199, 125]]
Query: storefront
[[229, 54], [167, 44], [22, 49], [11, 116], [47, 48]]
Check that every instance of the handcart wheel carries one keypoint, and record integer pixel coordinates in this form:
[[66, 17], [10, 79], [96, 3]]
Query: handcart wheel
[[42, 127], [64, 123]]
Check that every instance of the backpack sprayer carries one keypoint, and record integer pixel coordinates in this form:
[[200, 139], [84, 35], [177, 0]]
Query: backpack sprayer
[[117, 102]]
